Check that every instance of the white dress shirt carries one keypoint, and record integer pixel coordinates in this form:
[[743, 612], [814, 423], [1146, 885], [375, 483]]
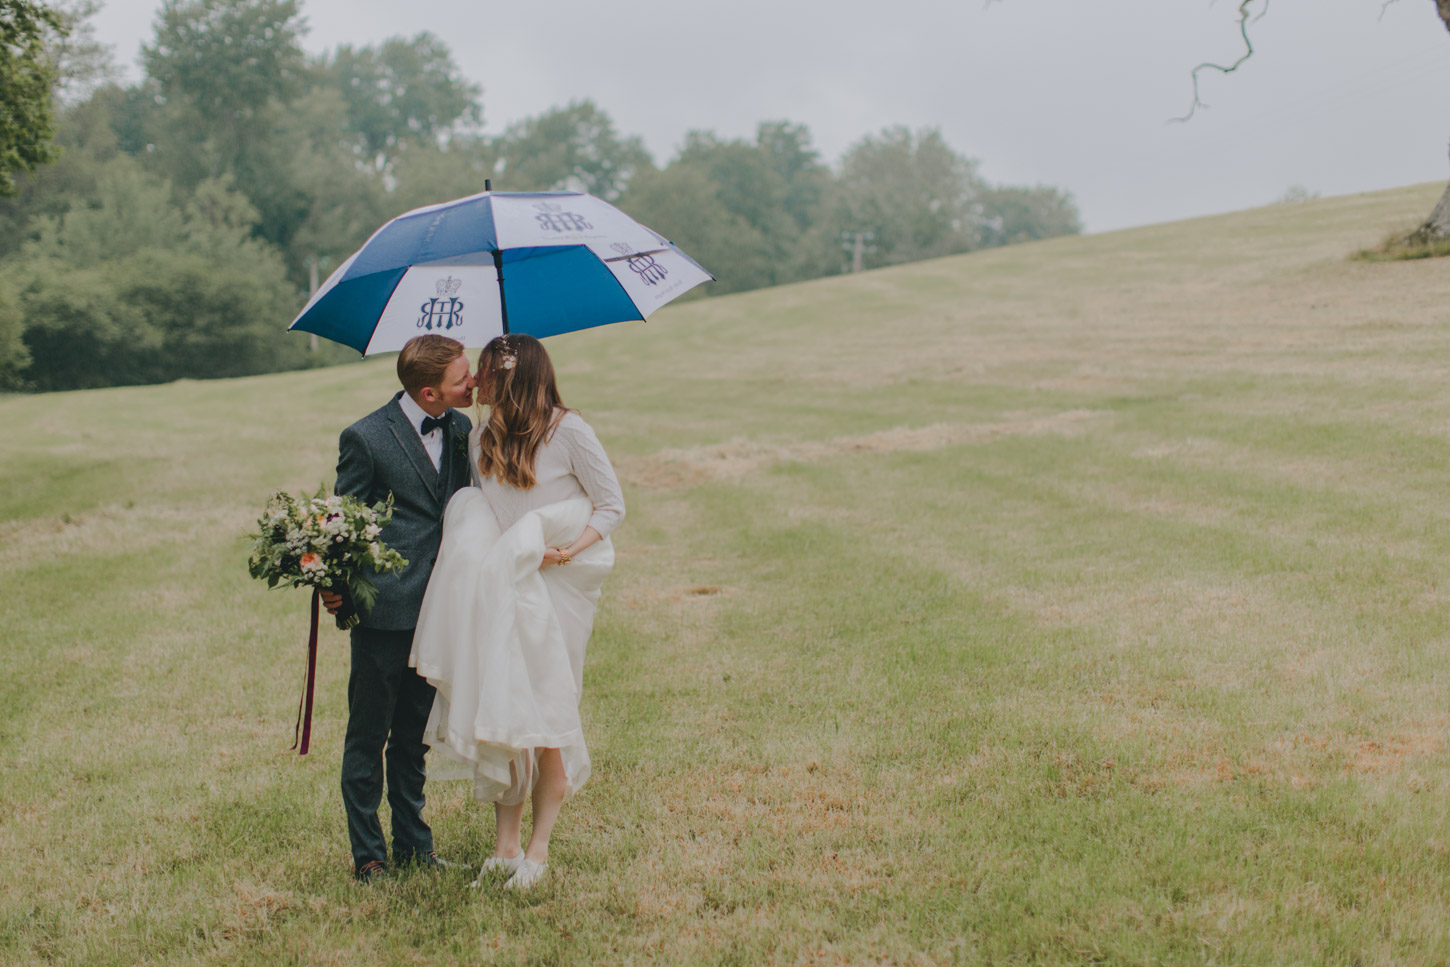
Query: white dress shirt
[[433, 439]]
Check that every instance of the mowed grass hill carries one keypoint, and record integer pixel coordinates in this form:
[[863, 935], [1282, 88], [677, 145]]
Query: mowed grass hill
[[1078, 602]]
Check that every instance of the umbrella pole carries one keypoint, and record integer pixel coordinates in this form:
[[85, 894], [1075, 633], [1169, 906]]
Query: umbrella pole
[[503, 306]]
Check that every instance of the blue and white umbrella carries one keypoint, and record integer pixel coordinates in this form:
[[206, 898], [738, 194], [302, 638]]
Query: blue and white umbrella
[[540, 263]]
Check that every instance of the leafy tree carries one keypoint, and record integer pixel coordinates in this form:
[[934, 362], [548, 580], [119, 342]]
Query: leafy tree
[[227, 61], [324, 199], [745, 177], [913, 193], [682, 203], [787, 152], [429, 173], [768, 194], [14, 357], [133, 210], [404, 92], [1012, 215], [278, 170], [573, 147], [215, 318], [156, 289], [151, 317], [77, 333], [136, 115], [26, 76], [813, 249], [87, 141], [82, 63]]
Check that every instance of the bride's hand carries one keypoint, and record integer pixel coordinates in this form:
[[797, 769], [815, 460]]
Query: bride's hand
[[552, 555]]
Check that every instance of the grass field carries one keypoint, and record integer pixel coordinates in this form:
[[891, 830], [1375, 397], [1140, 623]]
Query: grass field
[[1077, 602]]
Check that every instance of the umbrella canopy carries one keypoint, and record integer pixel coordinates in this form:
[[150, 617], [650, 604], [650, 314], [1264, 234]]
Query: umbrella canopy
[[540, 263]]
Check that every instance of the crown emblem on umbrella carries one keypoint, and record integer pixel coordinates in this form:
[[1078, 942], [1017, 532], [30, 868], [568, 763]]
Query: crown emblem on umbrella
[[548, 206], [623, 248], [448, 286]]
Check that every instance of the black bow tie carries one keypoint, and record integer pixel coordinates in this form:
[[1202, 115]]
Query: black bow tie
[[431, 423]]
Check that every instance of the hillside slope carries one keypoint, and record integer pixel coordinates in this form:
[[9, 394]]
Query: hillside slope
[[1080, 601]]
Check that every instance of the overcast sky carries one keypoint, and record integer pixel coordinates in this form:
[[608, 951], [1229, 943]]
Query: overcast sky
[[1338, 98]]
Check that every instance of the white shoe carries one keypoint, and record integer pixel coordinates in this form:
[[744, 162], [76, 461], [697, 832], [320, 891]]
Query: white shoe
[[498, 864], [527, 875]]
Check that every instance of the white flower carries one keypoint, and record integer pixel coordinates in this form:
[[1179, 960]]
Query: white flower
[[372, 531]]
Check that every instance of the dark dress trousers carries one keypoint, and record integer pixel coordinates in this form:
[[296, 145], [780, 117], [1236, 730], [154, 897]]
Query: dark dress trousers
[[387, 702]]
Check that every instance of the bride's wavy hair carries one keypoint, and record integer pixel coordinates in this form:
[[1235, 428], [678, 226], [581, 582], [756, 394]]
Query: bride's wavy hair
[[516, 382]]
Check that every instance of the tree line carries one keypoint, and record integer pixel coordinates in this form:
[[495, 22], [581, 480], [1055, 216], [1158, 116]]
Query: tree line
[[178, 222]]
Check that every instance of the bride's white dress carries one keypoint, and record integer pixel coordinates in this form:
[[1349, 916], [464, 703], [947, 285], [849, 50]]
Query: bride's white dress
[[502, 640]]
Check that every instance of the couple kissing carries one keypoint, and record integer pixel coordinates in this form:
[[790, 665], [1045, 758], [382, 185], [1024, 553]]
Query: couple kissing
[[476, 649]]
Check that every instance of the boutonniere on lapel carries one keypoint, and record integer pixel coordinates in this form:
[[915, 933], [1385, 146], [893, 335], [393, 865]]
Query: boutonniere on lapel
[[460, 443]]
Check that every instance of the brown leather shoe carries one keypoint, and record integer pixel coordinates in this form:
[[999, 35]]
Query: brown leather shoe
[[371, 872]]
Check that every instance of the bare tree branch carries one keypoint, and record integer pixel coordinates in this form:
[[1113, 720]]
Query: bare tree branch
[[1244, 6]]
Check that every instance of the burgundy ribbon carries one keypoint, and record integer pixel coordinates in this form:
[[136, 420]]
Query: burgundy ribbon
[[302, 734]]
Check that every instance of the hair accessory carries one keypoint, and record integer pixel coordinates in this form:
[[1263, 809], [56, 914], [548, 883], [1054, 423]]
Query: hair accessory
[[508, 356]]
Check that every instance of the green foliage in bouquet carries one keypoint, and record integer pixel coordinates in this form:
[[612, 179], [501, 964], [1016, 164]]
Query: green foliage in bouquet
[[324, 541]]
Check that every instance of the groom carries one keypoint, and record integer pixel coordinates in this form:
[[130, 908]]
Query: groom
[[415, 448]]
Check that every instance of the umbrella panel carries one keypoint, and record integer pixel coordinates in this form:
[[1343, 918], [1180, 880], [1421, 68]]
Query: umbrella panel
[[555, 290], [429, 235], [452, 299], [654, 278], [347, 312]]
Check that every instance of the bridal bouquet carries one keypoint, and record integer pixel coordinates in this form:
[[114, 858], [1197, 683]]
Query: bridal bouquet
[[324, 541]]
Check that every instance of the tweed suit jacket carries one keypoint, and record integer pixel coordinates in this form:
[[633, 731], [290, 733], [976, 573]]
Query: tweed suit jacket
[[382, 454]]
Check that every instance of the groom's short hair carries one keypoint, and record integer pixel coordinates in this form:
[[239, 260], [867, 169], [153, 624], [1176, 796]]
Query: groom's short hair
[[424, 359]]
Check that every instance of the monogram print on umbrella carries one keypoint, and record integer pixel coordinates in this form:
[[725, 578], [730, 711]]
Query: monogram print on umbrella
[[438, 314], [553, 218], [649, 271]]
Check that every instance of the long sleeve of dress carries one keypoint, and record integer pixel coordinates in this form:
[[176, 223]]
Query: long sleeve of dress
[[590, 465]]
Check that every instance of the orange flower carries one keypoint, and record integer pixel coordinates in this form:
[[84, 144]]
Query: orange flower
[[311, 559]]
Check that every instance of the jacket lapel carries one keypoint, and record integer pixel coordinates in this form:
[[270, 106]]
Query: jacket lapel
[[445, 464], [411, 445], [458, 472]]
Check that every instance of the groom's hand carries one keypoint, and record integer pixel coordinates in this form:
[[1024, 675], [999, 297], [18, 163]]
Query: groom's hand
[[332, 601]]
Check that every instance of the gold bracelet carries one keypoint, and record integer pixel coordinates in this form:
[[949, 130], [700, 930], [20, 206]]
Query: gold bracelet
[[564, 556]]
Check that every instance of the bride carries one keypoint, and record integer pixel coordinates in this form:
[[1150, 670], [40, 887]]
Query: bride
[[510, 606]]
